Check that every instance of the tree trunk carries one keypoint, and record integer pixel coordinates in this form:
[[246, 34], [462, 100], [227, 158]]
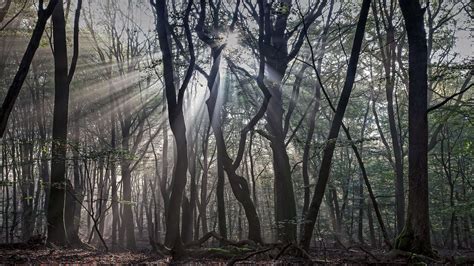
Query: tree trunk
[[205, 171], [415, 236], [285, 204], [221, 220], [176, 120], [57, 232], [127, 214], [335, 127], [113, 180], [4, 9], [78, 180], [389, 56], [239, 185], [186, 222], [20, 76]]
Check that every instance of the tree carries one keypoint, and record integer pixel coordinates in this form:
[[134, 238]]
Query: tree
[[176, 119], [20, 76], [389, 56], [415, 236], [330, 144], [239, 185], [58, 225], [273, 51]]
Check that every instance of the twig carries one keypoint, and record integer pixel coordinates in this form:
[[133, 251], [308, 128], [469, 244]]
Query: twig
[[448, 99], [15, 16]]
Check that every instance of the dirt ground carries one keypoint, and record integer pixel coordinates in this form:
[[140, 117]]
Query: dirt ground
[[23, 254]]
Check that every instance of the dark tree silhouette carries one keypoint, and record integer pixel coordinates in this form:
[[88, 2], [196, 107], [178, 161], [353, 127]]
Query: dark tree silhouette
[[20, 76], [176, 119], [330, 145], [415, 236]]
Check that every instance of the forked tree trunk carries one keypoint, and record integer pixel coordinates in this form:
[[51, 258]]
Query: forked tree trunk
[[239, 185], [176, 119]]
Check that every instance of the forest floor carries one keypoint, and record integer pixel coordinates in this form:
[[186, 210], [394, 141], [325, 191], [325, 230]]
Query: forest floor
[[39, 254]]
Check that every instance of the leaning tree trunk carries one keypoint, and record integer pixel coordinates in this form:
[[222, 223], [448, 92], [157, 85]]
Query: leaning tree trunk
[[20, 76], [4, 10], [335, 127], [415, 236]]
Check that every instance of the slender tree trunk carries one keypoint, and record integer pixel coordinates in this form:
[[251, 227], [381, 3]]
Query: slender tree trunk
[[335, 127], [78, 181], [204, 177], [193, 187], [164, 169], [4, 9], [373, 242], [20, 76], [127, 214], [360, 231], [239, 185], [221, 210], [389, 56], [113, 180]]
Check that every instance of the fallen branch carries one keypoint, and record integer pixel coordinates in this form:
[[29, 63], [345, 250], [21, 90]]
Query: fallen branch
[[207, 236], [366, 251], [248, 256]]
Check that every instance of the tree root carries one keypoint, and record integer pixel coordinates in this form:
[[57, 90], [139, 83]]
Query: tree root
[[284, 249], [193, 249]]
